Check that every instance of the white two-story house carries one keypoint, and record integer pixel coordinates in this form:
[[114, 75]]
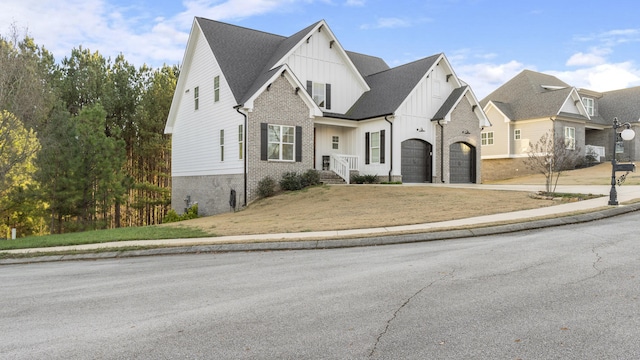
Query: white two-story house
[[250, 104]]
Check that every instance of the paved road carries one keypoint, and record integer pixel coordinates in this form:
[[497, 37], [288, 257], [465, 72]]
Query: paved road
[[562, 293]]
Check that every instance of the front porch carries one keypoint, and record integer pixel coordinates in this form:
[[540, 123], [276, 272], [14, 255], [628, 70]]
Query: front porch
[[343, 166]]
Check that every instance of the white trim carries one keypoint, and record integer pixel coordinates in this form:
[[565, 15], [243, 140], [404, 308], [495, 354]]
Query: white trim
[[575, 97], [339, 48], [314, 109]]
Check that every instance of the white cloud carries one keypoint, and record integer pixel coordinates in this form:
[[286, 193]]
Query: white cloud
[[484, 78], [230, 9], [582, 59], [141, 36], [596, 56], [603, 77]]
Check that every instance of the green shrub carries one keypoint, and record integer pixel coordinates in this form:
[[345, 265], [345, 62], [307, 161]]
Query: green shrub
[[192, 212], [172, 215], [364, 179], [291, 181], [310, 177], [266, 187]]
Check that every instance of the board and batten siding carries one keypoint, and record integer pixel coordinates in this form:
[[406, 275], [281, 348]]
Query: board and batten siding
[[196, 137], [318, 62], [417, 110]]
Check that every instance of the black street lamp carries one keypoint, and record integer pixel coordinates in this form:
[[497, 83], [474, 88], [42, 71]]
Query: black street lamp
[[626, 134]]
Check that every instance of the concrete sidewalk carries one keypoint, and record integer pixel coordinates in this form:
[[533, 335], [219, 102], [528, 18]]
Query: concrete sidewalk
[[477, 226]]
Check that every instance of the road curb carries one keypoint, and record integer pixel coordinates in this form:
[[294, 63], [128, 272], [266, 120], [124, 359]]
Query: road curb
[[335, 243]]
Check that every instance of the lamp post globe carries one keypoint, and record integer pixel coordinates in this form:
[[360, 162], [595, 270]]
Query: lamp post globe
[[627, 134]]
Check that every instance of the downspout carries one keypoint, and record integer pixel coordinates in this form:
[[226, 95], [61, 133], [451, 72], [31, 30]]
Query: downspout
[[441, 152], [244, 155], [391, 144]]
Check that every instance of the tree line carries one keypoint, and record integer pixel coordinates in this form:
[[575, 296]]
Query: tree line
[[82, 143]]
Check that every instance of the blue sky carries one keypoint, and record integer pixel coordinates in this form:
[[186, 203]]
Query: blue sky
[[588, 44]]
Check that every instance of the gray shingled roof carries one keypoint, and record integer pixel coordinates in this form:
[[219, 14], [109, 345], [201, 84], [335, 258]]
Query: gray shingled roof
[[623, 104], [389, 88], [527, 98], [448, 104], [247, 56], [367, 65], [241, 53]]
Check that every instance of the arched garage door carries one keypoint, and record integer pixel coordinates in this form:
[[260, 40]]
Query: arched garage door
[[462, 163], [416, 161]]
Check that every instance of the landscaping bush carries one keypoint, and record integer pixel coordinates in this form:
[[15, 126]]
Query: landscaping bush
[[291, 181], [172, 215], [310, 177], [364, 179], [266, 187]]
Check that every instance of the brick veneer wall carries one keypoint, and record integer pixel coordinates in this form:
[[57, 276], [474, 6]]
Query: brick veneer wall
[[280, 105], [463, 120]]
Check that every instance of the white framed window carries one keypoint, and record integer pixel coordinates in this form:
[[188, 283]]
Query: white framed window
[[589, 104], [281, 142], [319, 94], [517, 134], [216, 89], [240, 142], [196, 98], [222, 145], [570, 137], [375, 148], [487, 138], [335, 142]]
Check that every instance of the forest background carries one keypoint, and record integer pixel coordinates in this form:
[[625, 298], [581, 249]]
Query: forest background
[[82, 143]]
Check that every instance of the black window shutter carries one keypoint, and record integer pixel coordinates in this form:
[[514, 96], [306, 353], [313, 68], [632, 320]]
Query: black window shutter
[[264, 140], [382, 147], [366, 148], [310, 87], [298, 143], [328, 99]]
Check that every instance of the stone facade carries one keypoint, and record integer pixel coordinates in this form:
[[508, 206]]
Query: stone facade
[[279, 105], [210, 192]]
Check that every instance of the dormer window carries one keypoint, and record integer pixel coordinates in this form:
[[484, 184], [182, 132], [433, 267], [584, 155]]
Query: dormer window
[[321, 94], [589, 103]]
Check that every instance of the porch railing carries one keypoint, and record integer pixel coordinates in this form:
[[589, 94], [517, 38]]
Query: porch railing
[[595, 151], [343, 164]]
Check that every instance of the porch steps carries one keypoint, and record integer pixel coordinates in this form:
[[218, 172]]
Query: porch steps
[[329, 177]]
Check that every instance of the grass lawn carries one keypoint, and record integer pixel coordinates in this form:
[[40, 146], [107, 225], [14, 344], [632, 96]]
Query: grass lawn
[[101, 236]]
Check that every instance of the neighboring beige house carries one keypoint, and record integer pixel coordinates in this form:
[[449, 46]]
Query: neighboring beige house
[[250, 104], [533, 103]]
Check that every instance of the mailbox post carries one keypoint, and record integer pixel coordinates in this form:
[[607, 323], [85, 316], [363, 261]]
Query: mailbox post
[[626, 134]]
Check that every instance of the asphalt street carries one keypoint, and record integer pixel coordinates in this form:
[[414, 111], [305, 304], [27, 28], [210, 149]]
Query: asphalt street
[[568, 292]]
